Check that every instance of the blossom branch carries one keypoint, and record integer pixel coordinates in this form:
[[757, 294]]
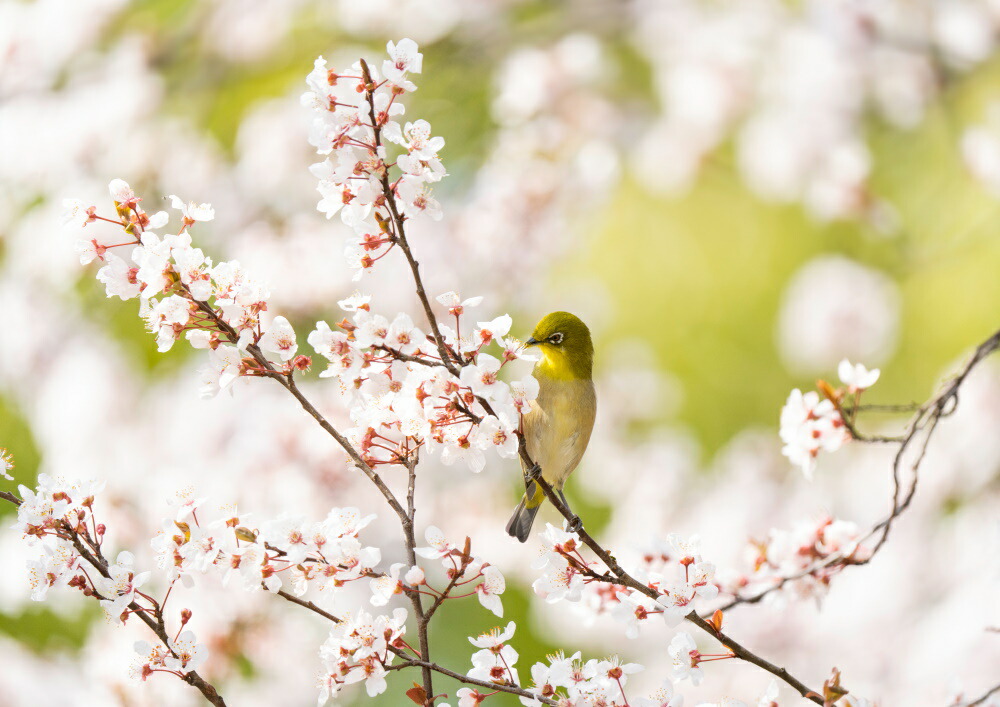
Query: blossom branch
[[623, 578], [919, 430], [287, 381], [400, 231], [156, 624], [508, 688], [410, 661], [982, 698], [415, 599]]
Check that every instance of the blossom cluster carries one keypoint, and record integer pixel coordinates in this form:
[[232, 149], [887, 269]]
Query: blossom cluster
[[810, 424], [574, 681], [354, 119], [47, 517], [57, 520], [360, 649], [676, 572], [800, 562], [216, 307], [181, 655], [287, 552], [402, 397]]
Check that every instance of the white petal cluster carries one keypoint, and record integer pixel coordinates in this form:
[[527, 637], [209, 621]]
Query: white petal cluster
[[6, 464], [810, 425], [120, 586], [800, 562], [353, 125], [54, 506], [679, 576], [182, 293], [573, 681], [185, 654], [856, 377], [358, 649], [685, 658], [401, 398], [495, 661], [287, 552]]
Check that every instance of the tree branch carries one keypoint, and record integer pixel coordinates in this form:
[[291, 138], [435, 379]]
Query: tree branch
[[156, 624], [400, 234], [919, 430], [625, 579], [982, 698], [415, 598], [512, 689]]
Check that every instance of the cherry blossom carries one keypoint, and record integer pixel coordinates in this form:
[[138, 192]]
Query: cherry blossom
[[489, 591], [6, 464], [810, 425], [403, 58], [120, 586], [279, 339], [455, 304], [191, 211], [122, 193], [856, 377], [685, 658]]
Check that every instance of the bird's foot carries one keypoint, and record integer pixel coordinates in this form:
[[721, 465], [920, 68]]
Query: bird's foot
[[532, 474], [575, 525]]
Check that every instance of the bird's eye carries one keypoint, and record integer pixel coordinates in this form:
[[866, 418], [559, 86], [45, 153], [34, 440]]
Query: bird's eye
[[556, 338]]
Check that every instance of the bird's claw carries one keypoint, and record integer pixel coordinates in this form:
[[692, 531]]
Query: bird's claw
[[575, 525], [533, 473]]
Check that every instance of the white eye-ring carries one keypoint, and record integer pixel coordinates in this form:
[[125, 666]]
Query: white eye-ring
[[556, 338]]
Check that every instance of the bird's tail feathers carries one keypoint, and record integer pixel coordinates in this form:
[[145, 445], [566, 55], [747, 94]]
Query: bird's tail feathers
[[519, 525]]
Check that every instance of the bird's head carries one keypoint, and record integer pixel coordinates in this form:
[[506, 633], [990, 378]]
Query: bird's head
[[567, 350]]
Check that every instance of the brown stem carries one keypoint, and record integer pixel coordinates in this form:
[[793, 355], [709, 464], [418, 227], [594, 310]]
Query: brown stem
[[982, 698], [308, 605], [511, 689], [415, 598]]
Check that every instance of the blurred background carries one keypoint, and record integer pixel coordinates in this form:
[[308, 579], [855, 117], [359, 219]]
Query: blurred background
[[734, 194]]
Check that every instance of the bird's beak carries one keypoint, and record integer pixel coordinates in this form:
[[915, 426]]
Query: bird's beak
[[532, 341]]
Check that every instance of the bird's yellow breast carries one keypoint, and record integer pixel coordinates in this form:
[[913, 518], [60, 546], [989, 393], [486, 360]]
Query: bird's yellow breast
[[558, 428]]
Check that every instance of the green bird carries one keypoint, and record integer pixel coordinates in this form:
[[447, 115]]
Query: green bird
[[558, 426]]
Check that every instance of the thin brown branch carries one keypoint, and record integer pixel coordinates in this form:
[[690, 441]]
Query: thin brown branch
[[288, 382], [399, 355], [623, 578], [511, 689], [308, 605], [415, 598], [982, 698], [447, 590]]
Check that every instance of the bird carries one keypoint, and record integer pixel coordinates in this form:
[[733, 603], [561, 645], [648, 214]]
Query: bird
[[557, 428]]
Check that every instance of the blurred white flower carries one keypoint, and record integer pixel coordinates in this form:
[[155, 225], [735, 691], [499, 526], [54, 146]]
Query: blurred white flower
[[835, 308], [856, 377]]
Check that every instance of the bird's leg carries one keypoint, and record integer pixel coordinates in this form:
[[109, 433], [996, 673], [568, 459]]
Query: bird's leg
[[575, 524], [532, 474]]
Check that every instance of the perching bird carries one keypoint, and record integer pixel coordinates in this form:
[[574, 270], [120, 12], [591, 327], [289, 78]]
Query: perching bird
[[558, 427]]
